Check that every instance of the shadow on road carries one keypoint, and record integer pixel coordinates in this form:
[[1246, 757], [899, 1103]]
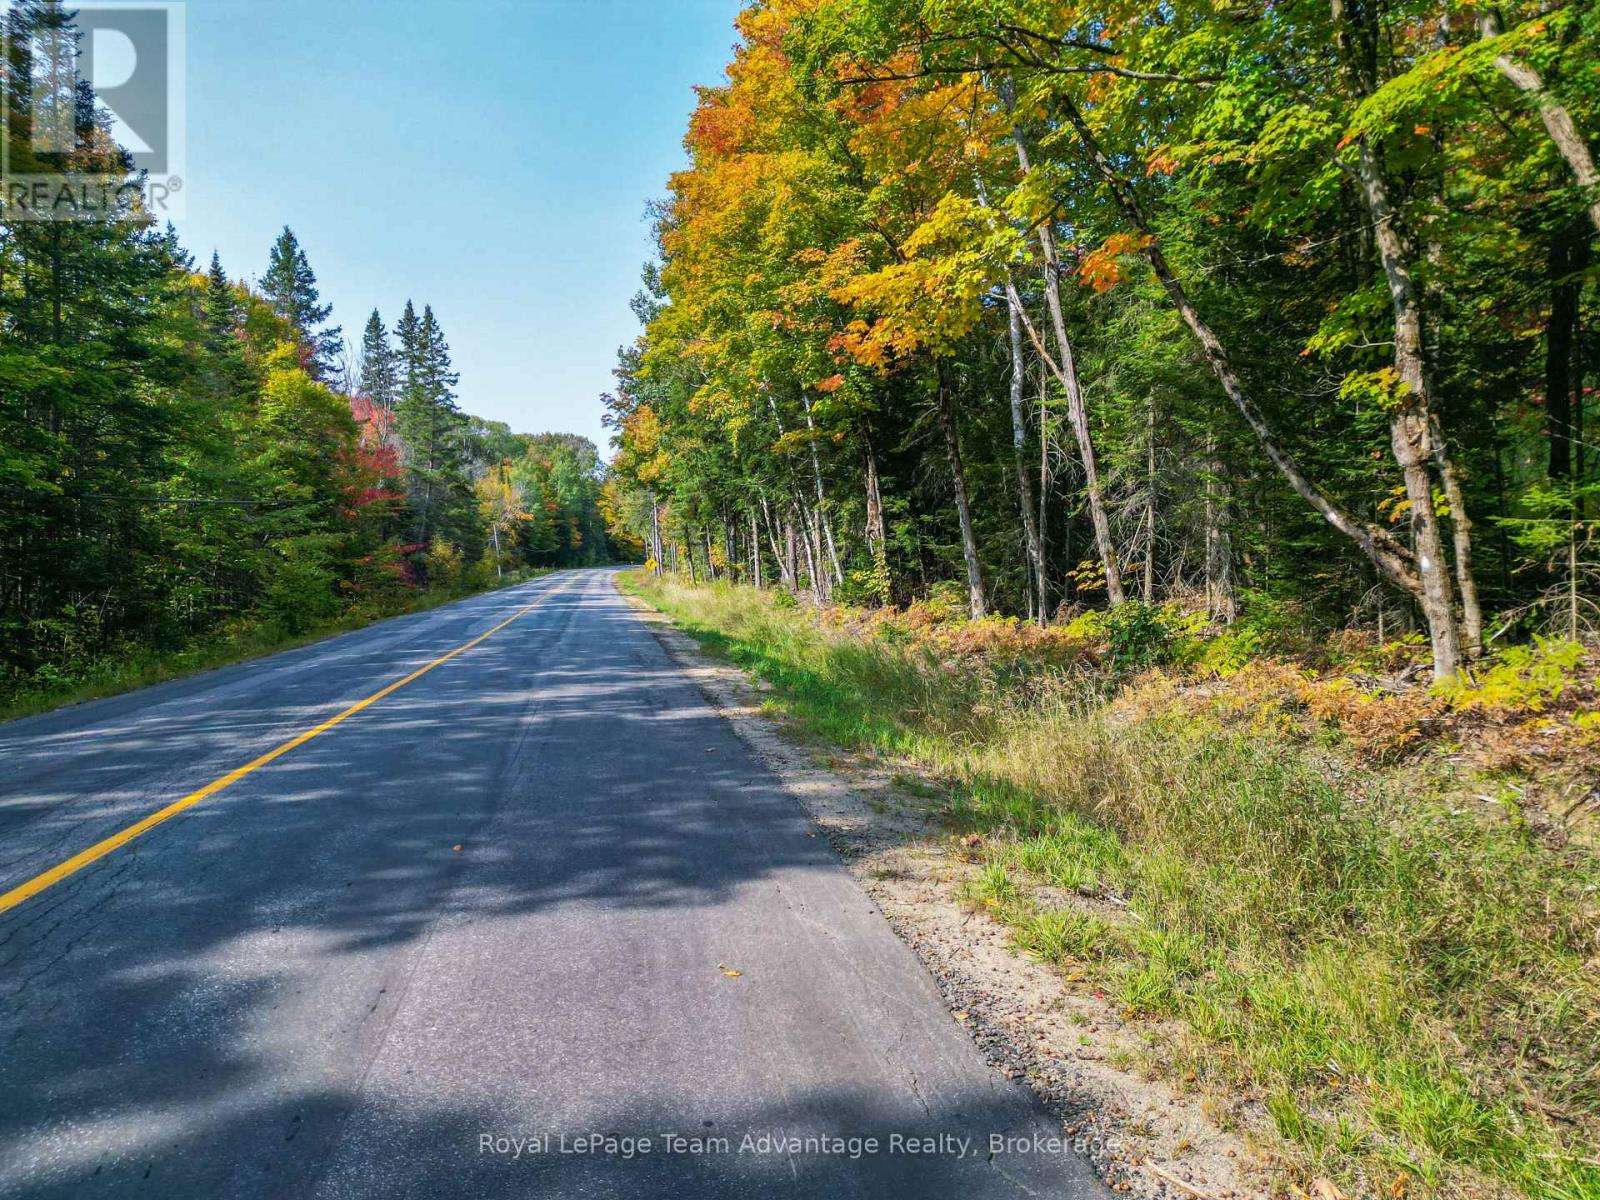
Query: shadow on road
[[303, 987]]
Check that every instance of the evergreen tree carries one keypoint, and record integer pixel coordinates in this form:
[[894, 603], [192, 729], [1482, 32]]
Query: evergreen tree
[[221, 306], [290, 286], [432, 428], [379, 369], [407, 336], [437, 374], [178, 259]]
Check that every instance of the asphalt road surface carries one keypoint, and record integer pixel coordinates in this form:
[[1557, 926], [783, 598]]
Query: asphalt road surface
[[432, 949]]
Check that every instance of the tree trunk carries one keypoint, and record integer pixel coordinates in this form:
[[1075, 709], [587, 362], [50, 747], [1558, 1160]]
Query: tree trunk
[[1580, 365], [785, 562], [655, 533], [1221, 601], [877, 538], [810, 539], [1044, 494], [877, 535], [1150, 500], [1019, 445], [1411, 415], [755, 550], [1461, 538], [1433, 301], [791, 564], [825, 524], [1067, 371], [958, 478], [1569, 255], [1411, 425], [811, 543], [1558, 122], [821, 580], [1034, 555], [1077, 414]]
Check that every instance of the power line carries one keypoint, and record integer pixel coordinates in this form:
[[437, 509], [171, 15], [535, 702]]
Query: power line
[[179, 500]]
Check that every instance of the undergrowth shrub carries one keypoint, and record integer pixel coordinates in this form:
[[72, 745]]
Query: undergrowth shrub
[[1137, 637], [1521, 679]]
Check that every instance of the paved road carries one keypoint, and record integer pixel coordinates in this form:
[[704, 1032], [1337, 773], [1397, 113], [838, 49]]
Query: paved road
[[299, 988]]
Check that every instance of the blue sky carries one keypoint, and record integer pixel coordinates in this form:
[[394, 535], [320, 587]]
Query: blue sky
[[490, 157]]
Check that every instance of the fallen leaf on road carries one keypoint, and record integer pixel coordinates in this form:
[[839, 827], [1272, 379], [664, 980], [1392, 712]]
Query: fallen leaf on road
[[456, 847], [1324, 1189], [961, 1016], [732, 974]]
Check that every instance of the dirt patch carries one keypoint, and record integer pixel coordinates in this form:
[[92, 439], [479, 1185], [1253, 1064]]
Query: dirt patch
[[1150, 1137]]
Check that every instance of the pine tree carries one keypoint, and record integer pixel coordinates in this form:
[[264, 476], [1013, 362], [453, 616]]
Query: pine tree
[[290, 286], [431, 427], [221, 305], [407, 335], [438, 376], [379, 369], [171, 247]]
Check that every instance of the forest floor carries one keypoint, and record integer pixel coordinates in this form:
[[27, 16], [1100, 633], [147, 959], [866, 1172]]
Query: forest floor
[[241, 640], [1251, 924]]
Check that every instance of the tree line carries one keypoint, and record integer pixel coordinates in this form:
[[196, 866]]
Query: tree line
[[184, 453], [1285, 306]]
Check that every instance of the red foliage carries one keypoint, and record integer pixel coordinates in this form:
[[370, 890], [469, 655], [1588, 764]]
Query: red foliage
[[374, 463], [376, 421], [717, 127]]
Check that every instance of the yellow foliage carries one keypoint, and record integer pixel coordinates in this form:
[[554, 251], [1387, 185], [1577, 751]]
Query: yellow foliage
[[1380, 725], [1524, 679]]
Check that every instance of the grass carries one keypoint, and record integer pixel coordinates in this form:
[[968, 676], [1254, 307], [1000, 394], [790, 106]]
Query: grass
[[1410, 991], [142, 666]]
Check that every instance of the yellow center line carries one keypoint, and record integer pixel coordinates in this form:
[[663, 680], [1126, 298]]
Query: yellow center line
[[99, 850]]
